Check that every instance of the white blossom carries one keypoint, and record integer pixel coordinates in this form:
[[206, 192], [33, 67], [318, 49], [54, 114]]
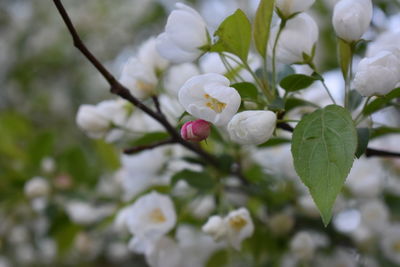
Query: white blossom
[[164, 253], [378, 75], [303, 246], [375, 215], [233, 228], [185, 33], [297, 38], [37, 187], [387, 41], [210, 98], [151, 216], [351, 18], [177, 75], [252, 127], [290, 7], [390, 243], [84, 213]]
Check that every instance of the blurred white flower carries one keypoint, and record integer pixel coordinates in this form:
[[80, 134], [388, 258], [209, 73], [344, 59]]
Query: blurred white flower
[[48, 164], [351, 18], [375, 215], [390, 243], [196, 247], [303, 246], [164, 253], [84, 213], [366, 178], [387, 41], [210, 98], [37, 187], [215, 227], [97, 120], [151, 216], [347, 221], [290, 7], [117, 252], [378, 75], [234, 228], [252, 127], [177, 75], [297, 38], [140, 73], [202, 207], [281, 223], [185, 33]]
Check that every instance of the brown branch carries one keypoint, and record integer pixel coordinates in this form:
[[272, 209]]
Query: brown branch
[[157, 104], [369, 152], [120, 90], [138, 149]]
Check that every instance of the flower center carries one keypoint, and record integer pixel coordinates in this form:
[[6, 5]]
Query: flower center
[[157, 216], [214, 104], [237, 223], [145, 86], [396, 246]]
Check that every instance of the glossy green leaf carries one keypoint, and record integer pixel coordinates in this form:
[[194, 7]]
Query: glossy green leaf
[[363, 139], [296, 82], [275, 141], [381, 102], [199, 180], [247, 91], [323, 147], [381, 131], [262, 25], [293, 102], [234, 35]]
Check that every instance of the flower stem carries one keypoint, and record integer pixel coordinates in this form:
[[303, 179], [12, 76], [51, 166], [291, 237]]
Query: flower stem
[[274, 74]]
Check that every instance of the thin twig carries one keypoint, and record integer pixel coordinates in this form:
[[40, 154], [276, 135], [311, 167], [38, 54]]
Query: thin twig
[[157, 104], [120, 90], [138, 149]]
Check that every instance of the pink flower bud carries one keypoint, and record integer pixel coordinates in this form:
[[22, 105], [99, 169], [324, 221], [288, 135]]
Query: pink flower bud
[[195, 131]]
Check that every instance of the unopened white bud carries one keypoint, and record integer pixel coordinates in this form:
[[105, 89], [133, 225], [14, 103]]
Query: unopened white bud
[[37, 187]]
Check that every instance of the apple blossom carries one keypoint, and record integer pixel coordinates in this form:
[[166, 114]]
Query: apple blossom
[[298, 37], [151, 216], [37, 187], [209, 97], [185, 33], [215, 227], [303, 246], [90, 119], [252, 127], [390, 243], [195, 131], [164, 253], [177, 75], [234, 228], [290, 7], [351, 18], [378, 75]]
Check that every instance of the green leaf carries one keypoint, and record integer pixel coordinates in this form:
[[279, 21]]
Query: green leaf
[[363, 139], [293, 102], [323, 147], [355, 99], [381, 102], [381, 131], [345, 55], [275, 141], [262, 25], [219, 258], [296, 82], [234, 35], [199, 180], [247, 91]]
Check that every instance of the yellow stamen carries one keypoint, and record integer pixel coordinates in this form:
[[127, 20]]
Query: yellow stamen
[[157, 216], [237, 223], [214, 104], [396, 246]]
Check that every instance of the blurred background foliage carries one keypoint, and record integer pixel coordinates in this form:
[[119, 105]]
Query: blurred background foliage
[[43, 81]]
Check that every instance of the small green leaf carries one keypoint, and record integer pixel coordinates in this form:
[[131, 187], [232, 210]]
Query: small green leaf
[[247, 91], [276, 141], [293, 102], [262, 25], [381, 102], [323, 147], [296, 82], [277, 105], [363, 139], [199, 180], [345, 55], [381, 131], [355, 99], [234, 35]]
